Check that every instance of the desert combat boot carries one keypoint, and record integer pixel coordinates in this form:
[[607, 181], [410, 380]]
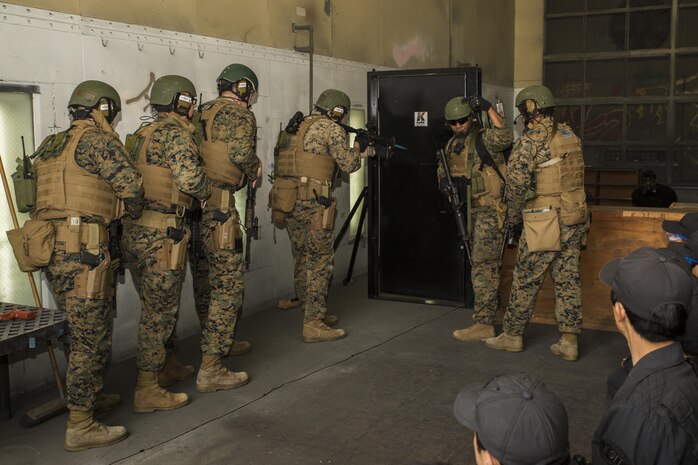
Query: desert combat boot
[[84, 432], [318, 331], [213, 376], [174, 371], [505, 342], [566, 347], [149, 396], [475, 332]]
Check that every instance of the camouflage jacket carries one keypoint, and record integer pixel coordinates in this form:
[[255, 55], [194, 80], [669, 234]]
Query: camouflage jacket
[[326, 137], [237, 127], [530, 150], [172, 146]]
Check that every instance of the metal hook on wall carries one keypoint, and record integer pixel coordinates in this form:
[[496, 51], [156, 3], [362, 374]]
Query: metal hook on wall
[[105, 41], [172, 50], [200, 50]]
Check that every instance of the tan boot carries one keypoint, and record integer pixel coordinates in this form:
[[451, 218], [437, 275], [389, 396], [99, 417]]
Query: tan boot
[[173, 371], [317, 331], [566, 347], [106, 402], [505, 342], [331, 320], [475, 332], [239, 348], [149, 396], [287, 304], [213, 376], [84, 432]]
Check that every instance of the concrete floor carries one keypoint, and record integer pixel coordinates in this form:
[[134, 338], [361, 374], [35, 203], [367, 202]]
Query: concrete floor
[[383, 395]]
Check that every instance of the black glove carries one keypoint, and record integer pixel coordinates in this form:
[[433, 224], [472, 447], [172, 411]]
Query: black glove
[[515, 234], [363, 141], [479, 103]]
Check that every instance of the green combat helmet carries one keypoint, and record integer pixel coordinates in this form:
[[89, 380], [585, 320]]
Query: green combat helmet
[[539, 94], [236, 72], [457, 108], [165, 89], [331, 98], [88, 94]]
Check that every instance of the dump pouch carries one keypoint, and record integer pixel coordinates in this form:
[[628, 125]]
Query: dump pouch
[[573, 207], [227, 236], [95, 283], [32, 244], [542, 230], [172, 256], [284, 194]]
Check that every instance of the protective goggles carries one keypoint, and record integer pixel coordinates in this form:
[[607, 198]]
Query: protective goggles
[[462, 120], [337, 113]]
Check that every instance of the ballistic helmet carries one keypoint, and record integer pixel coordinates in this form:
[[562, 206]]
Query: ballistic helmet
[[539, 94], [166, 88], [88, 94], [457, 108], [236, 72], [332, 98]]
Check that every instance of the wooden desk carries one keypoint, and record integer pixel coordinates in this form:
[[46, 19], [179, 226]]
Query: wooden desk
[[614, 233]]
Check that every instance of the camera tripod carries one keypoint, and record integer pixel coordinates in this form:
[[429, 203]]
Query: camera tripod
[[345, 228]]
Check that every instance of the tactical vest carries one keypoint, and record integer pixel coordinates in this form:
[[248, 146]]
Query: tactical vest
[[64, 188], [486, 185], [216, 156], [559, 181], [158, 181], [295, 162]]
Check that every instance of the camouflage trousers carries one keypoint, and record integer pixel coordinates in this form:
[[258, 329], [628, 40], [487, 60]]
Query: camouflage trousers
[[218, 291], [486, 264], [313, 253], [159, 291], [90, 322], [529, 273]]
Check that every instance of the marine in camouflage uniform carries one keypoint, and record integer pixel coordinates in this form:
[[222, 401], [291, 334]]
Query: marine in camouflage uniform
[[155, 244], [465, 152], [545, 145], [305, 168], [228, 151], [86, 162]]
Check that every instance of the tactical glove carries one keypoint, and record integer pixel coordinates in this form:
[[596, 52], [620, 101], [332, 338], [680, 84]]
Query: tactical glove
[[363, 141], [479, 103]]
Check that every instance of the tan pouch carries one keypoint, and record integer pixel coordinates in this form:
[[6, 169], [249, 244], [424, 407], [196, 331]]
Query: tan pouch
[[95, 283], [542, 230], [172, 256], [33, 244], [284, 194], [573, 207], [73, 242], [323, 218], [227, 236]]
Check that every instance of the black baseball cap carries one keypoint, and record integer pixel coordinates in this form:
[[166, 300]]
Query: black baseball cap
[[646, 280], [517, 419], [685, 226], [688, 248]]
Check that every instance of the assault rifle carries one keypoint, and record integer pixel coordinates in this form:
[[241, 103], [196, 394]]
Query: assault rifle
[[251, 222], [371, 134], [193, 218], [456, 205]]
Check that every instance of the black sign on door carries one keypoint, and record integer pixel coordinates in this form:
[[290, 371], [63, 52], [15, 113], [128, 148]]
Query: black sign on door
[[413, 252]]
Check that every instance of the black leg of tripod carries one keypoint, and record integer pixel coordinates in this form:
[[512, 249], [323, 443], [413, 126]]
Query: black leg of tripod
[[357, 240], [345, 227]]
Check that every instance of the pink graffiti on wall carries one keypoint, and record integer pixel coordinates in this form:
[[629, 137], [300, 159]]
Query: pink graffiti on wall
[[413, 48]]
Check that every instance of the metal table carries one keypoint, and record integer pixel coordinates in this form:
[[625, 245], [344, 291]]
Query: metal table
[[16, 335]]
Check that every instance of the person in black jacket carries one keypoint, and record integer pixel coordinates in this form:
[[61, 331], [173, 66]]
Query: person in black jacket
[[651, 194]]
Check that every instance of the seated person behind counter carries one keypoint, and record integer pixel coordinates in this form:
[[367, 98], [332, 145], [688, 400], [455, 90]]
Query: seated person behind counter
[[651, 194]]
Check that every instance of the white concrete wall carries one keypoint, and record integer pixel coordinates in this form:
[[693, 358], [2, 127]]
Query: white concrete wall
[[56, 51]]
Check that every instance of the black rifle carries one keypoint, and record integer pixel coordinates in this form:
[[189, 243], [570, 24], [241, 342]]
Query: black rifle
[[196, 249], [251, 222], [456, 205], [371, 133], [116, 231]]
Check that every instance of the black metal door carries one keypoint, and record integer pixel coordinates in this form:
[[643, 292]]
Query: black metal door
[[414, 252]]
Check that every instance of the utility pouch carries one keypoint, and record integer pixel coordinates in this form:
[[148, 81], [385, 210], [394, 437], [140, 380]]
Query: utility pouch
[[73, 237], [95, 283], [542, 230], [227, 236], [477, 185], [283, 195], [33, 244], [172, 255], [24, 180], [573, 207]]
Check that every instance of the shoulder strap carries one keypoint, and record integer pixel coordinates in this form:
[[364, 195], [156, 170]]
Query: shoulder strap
[[485, 156]]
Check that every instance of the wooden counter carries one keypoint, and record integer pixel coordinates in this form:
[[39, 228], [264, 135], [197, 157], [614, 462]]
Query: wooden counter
[[614, 233]]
